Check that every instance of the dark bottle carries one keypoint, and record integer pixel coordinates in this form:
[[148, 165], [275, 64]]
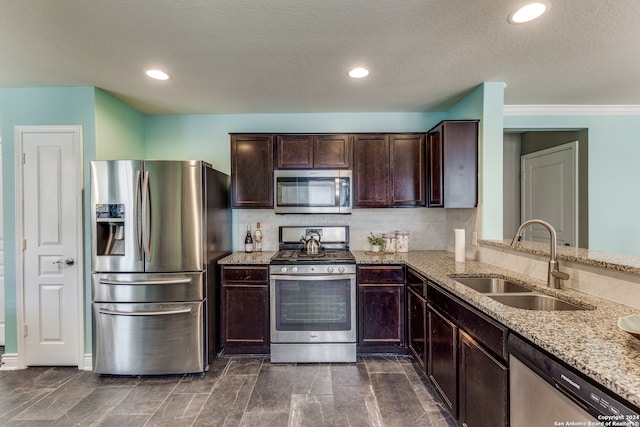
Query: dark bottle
[[248, 241]]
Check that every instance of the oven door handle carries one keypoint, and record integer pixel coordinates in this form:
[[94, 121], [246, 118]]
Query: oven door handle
[[143, 313], [312, 276]]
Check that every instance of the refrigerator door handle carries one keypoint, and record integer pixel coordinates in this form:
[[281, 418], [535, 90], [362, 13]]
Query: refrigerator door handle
[[146, 216], [143, 313], [136, 215], [145, 282]]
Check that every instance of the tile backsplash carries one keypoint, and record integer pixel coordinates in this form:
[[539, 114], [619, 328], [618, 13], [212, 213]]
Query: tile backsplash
[[429, 229]]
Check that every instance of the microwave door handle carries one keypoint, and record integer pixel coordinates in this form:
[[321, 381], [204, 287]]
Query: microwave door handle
[[337, 182]]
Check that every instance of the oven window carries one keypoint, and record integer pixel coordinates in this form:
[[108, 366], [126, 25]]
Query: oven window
[[309, 305]]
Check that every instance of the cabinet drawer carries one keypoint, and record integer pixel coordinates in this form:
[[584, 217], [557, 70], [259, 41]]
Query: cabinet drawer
[[388, 274], [416, 282], [245, 274], [479, 326]]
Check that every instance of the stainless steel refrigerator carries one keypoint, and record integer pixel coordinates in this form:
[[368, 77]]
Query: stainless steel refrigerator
[[159, 228]]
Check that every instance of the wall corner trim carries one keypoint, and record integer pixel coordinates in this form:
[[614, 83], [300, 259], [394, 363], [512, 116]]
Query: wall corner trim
[[571, 110]]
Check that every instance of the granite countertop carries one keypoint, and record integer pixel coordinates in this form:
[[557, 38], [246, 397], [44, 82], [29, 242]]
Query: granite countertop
[[610, 261], [588, 340], [245, 258]]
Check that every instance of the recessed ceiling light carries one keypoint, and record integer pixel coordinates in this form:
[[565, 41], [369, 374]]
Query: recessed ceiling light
[[157, 74], [529, 12], [358, 73]]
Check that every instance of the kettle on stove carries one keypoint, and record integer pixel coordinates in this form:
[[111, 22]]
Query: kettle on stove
[[311, 245]]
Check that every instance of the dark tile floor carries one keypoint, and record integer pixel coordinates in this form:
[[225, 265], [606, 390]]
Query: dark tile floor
[[237, 391]]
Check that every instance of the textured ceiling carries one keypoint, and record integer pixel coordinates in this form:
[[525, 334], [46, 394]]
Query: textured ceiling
[[275, 56]]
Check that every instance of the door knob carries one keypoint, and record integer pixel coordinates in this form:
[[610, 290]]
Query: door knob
[[68, 261]]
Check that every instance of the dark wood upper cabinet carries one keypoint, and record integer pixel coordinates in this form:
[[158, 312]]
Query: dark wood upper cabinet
[[370, 171], [452, 160], [389, 170], [314, 151], [408, 172], [252, 171]]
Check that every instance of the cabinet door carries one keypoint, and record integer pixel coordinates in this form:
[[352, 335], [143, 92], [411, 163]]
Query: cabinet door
[[442, 366], [245, 318], [417, 326], [252, 171], [294, 151], [482, 386], [370, 170], [434, 163], [407, 153], [381, 315], [460, 167], [332, 152]]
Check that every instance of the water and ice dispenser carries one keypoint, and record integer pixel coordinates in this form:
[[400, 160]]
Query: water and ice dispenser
[[110, 226]]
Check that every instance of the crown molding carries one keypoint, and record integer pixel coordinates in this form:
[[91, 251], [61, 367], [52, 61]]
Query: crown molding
[[571, 110]]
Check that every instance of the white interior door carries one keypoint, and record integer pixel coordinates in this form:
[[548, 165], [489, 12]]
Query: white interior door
[[51, 166], [550, 192]]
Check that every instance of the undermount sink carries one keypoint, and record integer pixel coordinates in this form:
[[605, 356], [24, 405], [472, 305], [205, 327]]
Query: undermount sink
[[514, 295], [491, 285], [535, 301]]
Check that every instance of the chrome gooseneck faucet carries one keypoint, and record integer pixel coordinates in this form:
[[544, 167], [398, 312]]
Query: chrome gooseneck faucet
[[554, 275]]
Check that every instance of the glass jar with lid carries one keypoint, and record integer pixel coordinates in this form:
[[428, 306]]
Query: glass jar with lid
[[402, 241], [389, 242]]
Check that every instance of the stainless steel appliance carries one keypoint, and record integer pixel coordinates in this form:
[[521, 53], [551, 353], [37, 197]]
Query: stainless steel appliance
[[159, 228], [312, 191], [545, 392], [313, 297]]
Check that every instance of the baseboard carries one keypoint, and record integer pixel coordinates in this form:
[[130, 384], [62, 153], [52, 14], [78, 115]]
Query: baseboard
[[87, 364], [9, 362]]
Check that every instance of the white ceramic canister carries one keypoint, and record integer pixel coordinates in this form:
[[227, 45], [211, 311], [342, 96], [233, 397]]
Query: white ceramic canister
[[389, 242], [402, 241]]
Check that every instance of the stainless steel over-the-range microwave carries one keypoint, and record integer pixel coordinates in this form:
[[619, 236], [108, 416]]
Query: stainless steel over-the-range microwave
[[312, 191]]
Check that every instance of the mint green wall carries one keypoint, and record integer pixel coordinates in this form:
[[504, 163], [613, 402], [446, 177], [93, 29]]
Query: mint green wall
[[37, 106], [119, 129], [206, 137], [486, 104], [614, 150]]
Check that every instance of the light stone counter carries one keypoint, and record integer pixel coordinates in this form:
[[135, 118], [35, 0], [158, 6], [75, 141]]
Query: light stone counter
[[618, 262], [588, 340], [245, 258]]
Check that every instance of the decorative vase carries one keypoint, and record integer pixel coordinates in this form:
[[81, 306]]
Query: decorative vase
[[375, 248]]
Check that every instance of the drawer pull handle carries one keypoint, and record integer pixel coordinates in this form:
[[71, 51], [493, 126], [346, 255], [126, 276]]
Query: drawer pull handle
[[146, 282], [143, 313]]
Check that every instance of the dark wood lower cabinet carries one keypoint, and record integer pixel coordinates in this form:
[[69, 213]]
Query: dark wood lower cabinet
[[443, 359], [417, 326], [467, 360], [244, 317], [381, 309], [482, 400]]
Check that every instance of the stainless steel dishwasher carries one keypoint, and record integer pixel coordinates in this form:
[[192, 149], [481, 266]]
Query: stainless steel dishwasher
[[545, 392]]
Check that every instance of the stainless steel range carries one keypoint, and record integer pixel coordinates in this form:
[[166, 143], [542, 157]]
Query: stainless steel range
[[313, 296]]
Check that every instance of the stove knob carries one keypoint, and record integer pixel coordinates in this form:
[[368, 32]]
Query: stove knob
[[329, 269], [283, 269], [341, 269], [294, 269]]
